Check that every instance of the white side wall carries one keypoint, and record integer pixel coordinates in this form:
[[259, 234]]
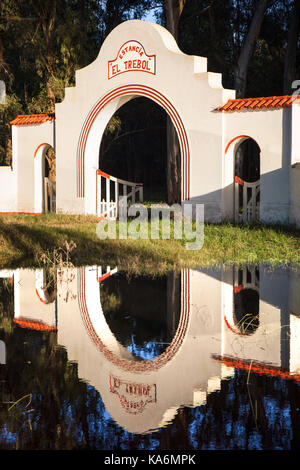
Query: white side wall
[[271, 129], [295, 158], [295, 167], [29, 138], [8, 180], [29, 304], [295, 196]]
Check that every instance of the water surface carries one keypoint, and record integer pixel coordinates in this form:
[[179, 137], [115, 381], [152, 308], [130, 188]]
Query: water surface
[[95, 358]]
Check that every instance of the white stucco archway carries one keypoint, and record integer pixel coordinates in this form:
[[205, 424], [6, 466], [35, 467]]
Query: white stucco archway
[[140, 59], [93, 129]]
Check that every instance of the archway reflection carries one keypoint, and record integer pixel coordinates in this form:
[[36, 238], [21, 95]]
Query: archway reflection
[[143, 312]]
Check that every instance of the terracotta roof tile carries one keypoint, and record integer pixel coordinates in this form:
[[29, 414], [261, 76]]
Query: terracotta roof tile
[[269, 102], [258, 368], [33, 325], [28, 119]]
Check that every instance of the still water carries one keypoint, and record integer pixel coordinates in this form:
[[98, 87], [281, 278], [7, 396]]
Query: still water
[[97, 358]]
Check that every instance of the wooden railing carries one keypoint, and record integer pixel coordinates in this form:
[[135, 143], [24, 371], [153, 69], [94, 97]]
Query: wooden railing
[[109, 189], [247, 197], [49, 195]]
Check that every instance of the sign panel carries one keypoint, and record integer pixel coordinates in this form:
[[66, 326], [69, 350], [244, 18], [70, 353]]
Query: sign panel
[[133, 396], [132, 57]]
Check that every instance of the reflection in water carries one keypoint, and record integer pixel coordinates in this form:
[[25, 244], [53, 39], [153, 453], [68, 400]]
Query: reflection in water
[[202, 359], [146, 326], [246, 300]]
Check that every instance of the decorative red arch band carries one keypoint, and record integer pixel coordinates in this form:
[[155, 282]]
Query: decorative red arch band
[[38, 148], [234, 139], [145, 365], [162, 101]]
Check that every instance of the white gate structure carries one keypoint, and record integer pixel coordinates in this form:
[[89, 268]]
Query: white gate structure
[[248, 211], [110, 188], [139, 59]]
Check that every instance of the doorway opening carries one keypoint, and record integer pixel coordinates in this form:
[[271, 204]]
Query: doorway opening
[[49, 180], [139, 157], [247, 181]]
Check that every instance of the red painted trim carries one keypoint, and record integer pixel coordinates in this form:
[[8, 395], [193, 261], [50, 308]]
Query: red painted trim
[[135, 70], [160, 99], [105, 276], [232, 329], [40, 298], [238, 289], [238, 180], [41, 145], [258, 368], [20, 213], [234, 139], [100, 172], [33, 325]]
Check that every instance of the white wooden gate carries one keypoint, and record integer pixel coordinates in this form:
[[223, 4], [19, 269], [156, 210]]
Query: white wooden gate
[[246, 278], [109, 272], [247, 196], [49, 195], [109, 189]]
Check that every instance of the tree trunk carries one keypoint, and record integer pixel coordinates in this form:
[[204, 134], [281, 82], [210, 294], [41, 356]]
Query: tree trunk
[[173, 10], [289, 73], [173, 165], [247, 48]]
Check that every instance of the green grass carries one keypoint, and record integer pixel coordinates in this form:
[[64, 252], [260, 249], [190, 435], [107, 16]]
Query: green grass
[[23, 239]]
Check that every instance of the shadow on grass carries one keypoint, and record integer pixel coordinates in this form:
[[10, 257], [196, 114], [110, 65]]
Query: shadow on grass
[[22, 244], [26, 243]]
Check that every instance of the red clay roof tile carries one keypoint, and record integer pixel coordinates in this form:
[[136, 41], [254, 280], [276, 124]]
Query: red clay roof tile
[[270, 102], [33, 325], [258, 368], [28, 119]]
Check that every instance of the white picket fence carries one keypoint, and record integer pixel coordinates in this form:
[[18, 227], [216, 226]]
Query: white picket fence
[[109, 189], [246, 278], [248, 212]]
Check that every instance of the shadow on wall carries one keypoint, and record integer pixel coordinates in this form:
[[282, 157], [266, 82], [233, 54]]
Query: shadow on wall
[[274, 200]]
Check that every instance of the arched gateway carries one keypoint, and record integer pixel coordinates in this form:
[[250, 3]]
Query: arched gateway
[[141, 59], [138, 59]]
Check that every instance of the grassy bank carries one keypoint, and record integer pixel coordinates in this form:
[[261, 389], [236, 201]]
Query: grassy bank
[[23, 239]]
